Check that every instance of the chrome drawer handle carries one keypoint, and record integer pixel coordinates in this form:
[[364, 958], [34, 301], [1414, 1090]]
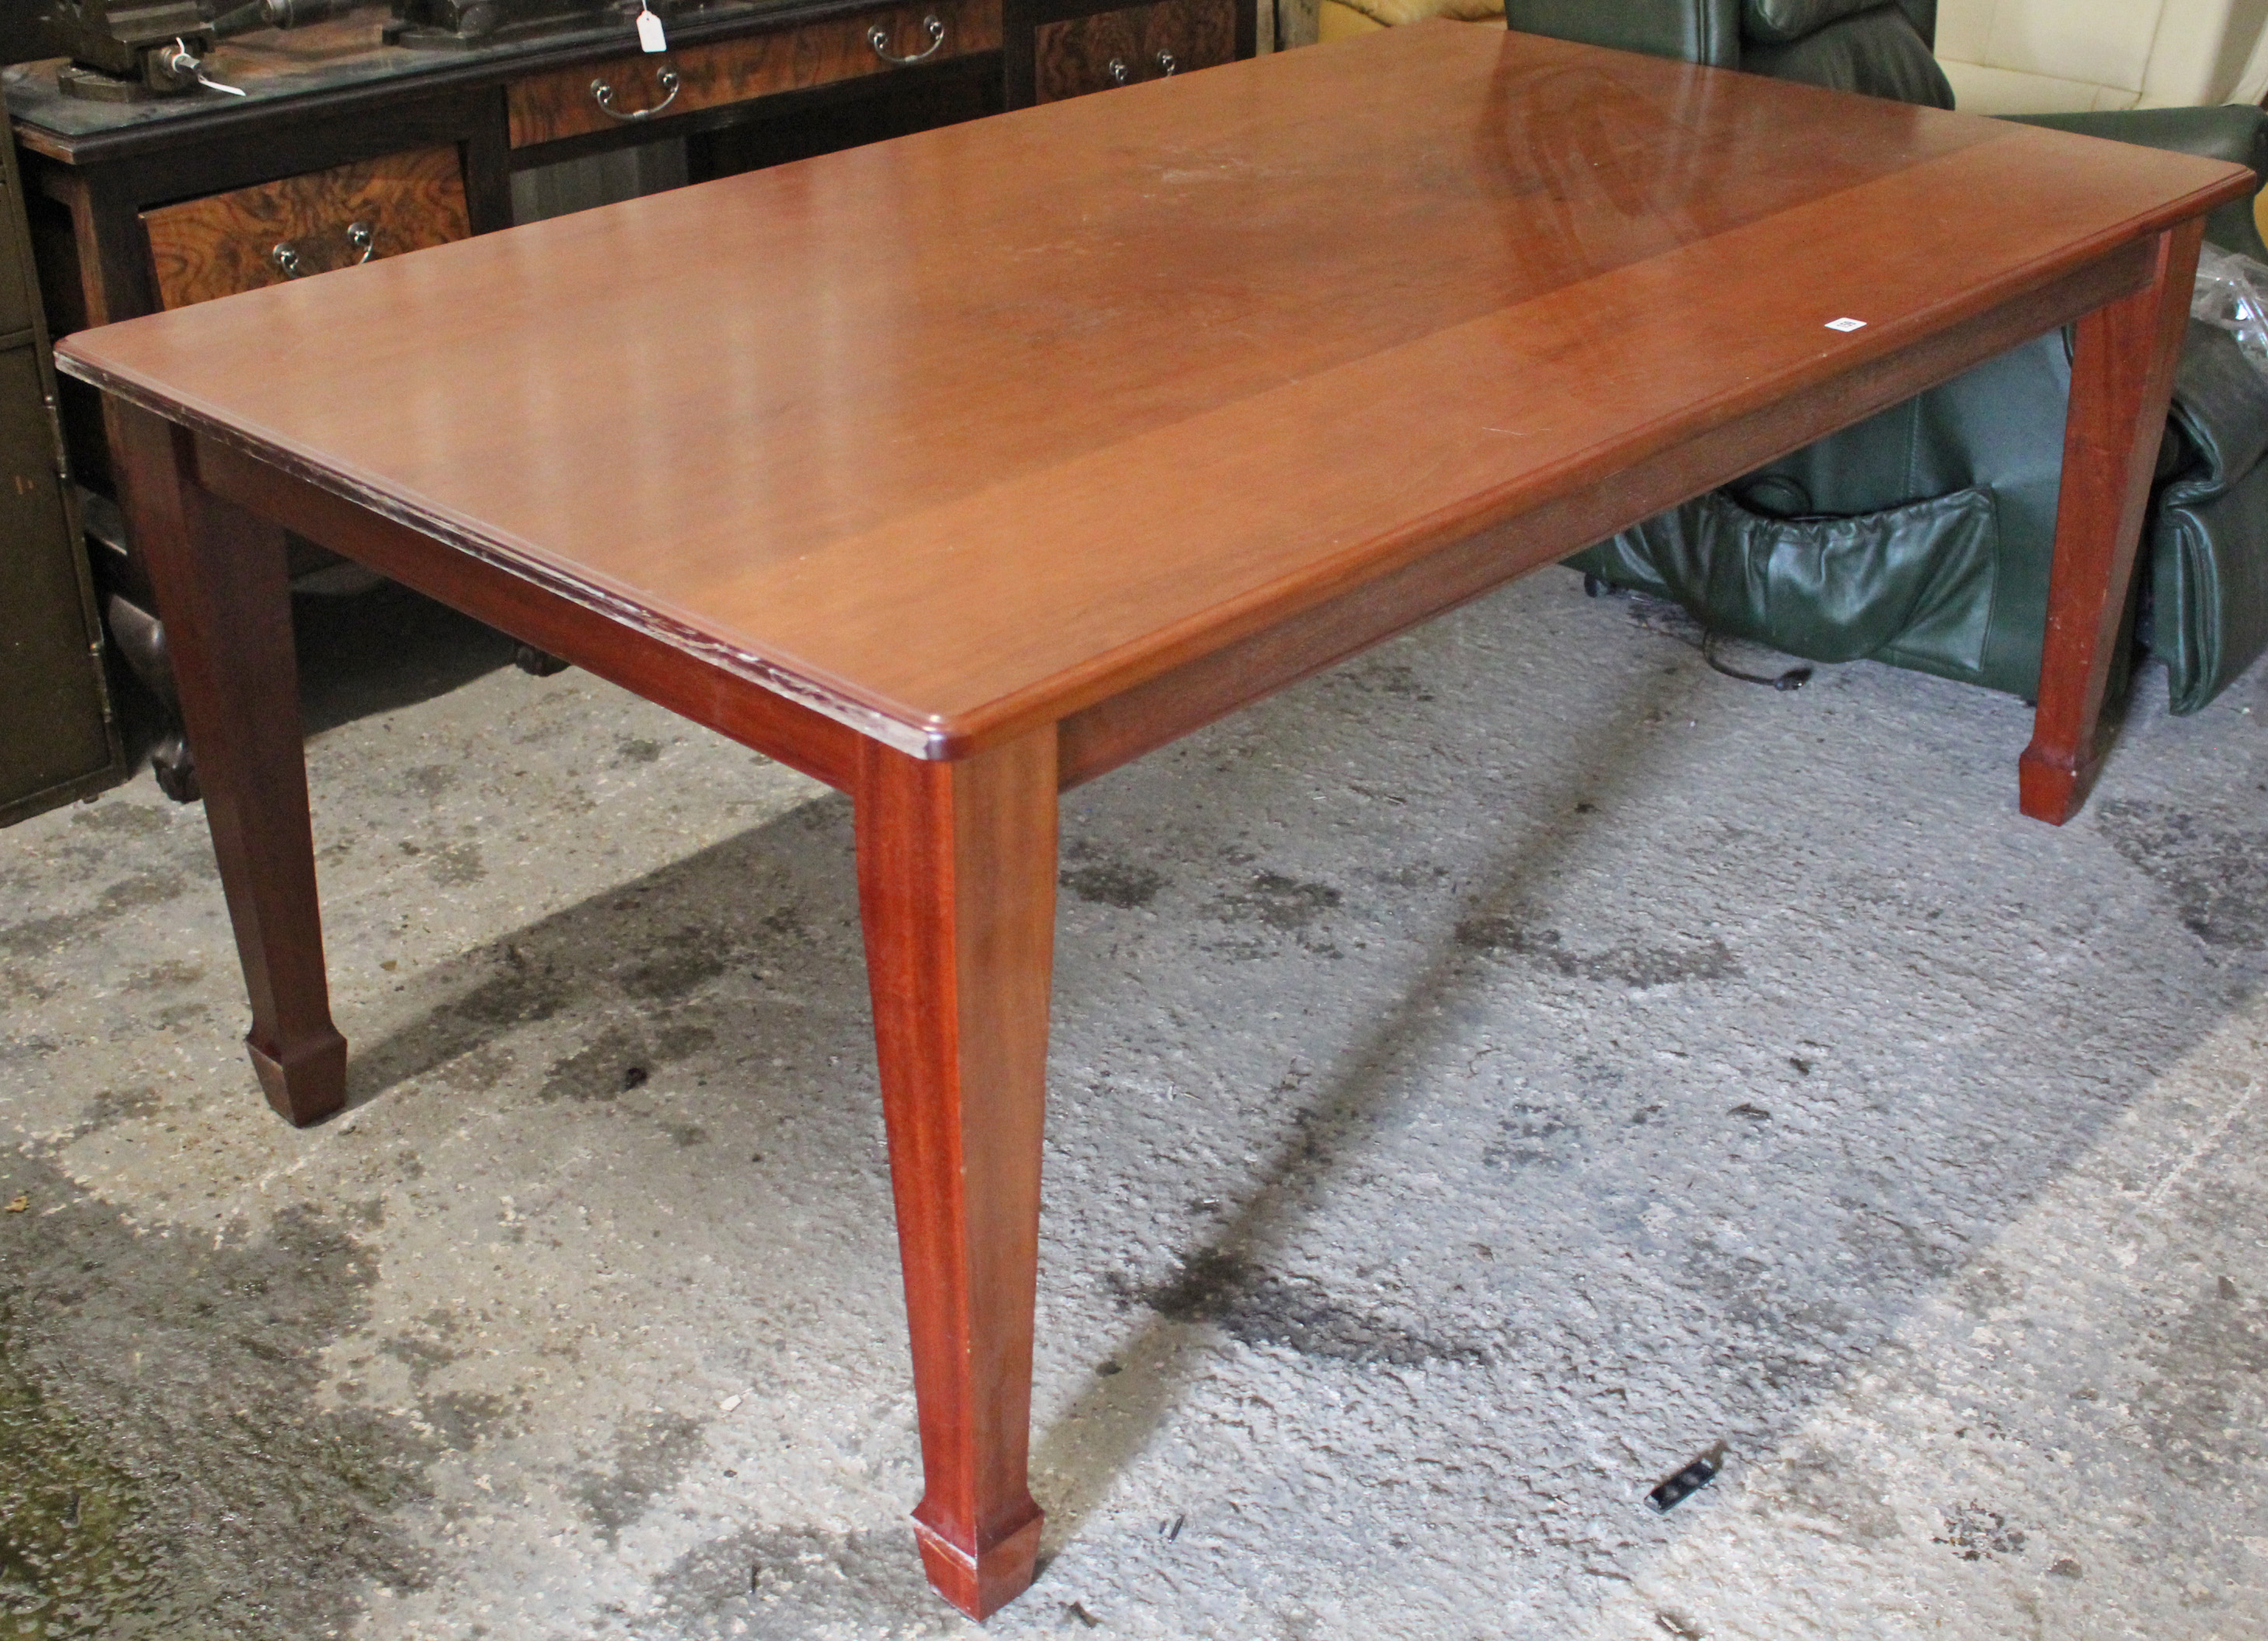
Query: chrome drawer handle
[[1118, 71], [1165, 62], [285, 256], [603, 94], [879, 38]]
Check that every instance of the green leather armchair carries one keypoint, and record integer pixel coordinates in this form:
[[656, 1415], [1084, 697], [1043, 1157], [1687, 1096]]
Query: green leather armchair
[[1881, 47], [1923, 537]]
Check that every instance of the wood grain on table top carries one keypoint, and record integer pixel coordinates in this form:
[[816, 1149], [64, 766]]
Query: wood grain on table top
[[990, 421]]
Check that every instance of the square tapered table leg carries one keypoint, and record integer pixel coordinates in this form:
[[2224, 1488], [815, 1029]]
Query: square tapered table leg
[[2122, 381], [224, 596], [956, 891]]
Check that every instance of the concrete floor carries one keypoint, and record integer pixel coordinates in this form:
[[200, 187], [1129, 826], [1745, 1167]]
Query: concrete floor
[[1484, 1078]]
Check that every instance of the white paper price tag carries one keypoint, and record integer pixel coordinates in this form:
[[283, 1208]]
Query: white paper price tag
[[651, 37]]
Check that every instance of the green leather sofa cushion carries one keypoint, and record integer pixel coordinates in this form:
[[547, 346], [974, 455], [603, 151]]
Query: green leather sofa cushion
[[1970, 434], [1775, 22], [2208, 545], [1876, 53], [1996, 427], [1911, 583], [1686, 31], [2209, 586], [1710, 32], [2221, 405]]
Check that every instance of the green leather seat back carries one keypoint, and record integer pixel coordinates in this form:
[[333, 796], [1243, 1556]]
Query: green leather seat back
[[1874, 52], [1686, 31]]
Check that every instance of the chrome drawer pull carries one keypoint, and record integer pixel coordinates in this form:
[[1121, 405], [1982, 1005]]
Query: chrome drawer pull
[[603, 94], [879, 38], [1165, 62], [285, 256], [1118, 71]]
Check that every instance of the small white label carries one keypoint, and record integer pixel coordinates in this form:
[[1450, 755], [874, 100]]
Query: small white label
[[650, 36], [1846, 324]]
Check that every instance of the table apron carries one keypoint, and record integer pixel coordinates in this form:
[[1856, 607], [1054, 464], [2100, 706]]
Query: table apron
[[1180, 690], [644, 662]]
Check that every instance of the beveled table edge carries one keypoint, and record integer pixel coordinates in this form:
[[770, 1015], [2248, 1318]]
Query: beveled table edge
[[522, 560]]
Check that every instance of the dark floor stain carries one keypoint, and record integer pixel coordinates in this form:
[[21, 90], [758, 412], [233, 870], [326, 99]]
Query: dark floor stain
[[1257, 1307], [424, 1353], [677, 964], [788, 1584], [166, 1470], [114, 1106], [1278, 902], [1820, 1484], [650, 1455], [637, 750], [121, 819], [1628, 965], [432, 780], [456, 865], [1529, 1131], [459, 1419], [43, 935], [1390, 679], [167, 976], [2218, 876], [518, 990], [1974, 1533], [1114, 883], [1791, 1320], [621, 1058], [723, 905], [2205, 1409]]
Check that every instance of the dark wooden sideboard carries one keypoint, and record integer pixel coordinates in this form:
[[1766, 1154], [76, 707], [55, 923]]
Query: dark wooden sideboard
[[58, 740], [347, 150], [1076, 46]]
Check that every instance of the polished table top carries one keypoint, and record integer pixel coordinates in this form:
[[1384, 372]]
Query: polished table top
[[950, 436]]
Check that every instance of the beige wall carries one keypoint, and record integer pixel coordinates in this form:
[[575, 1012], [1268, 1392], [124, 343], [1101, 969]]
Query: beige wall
[[2049, 57]]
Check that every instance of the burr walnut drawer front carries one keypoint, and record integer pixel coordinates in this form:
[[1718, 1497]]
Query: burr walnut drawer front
[[1143, 42], [307, 224], [637, 88]]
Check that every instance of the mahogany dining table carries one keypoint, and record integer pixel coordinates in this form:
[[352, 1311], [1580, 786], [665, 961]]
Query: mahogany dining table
[[958, 469]]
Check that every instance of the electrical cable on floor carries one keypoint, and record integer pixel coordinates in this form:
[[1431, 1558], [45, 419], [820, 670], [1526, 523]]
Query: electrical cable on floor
[[1793, 679], [1787, 682]]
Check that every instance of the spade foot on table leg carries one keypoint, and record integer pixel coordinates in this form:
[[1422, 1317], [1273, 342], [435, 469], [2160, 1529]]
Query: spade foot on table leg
[[982, 1584], [307, 1082]]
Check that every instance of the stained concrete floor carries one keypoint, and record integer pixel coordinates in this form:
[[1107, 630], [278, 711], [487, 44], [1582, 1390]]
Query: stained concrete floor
[[1484, 1078]]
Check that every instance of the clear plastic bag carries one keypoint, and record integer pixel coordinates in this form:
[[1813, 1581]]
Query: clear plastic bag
[[2232, 292]]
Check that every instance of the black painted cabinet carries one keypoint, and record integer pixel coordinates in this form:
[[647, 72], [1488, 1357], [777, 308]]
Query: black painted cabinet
[[58, 740]]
